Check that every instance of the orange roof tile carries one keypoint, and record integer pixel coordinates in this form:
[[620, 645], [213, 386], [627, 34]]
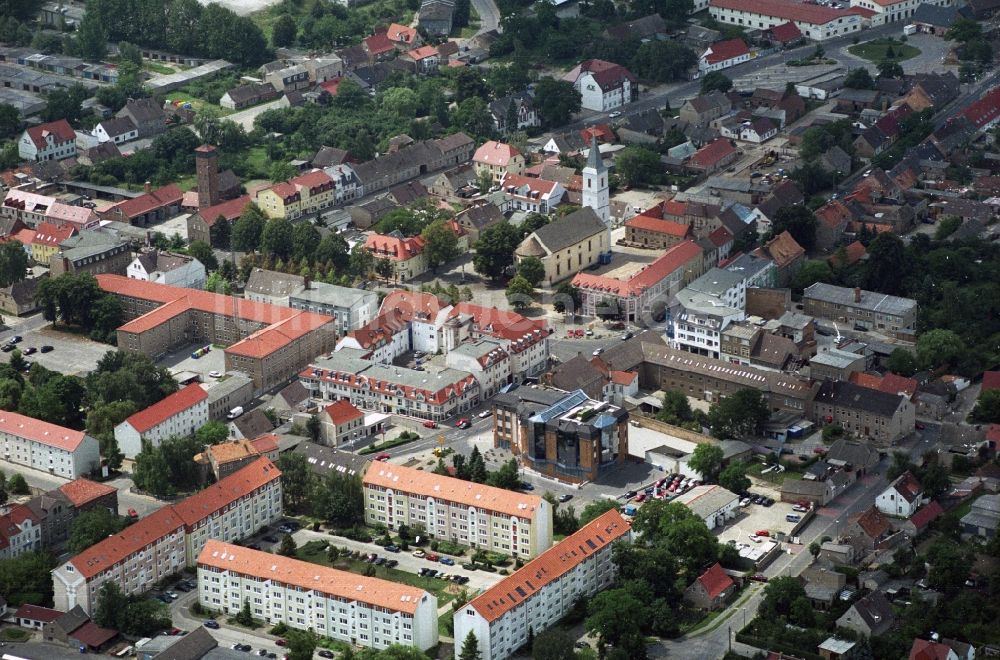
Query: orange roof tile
[[393, 596], [534, 185], [401, 33], [495, 153], [394, 248], [42, 432], [166, 408], [550, 565], [49, 234], [132, 539], [623, 377], [83, 491], [227, 452], [658, 225], [239, 484], [409, 480], [715, 580], [343, 411], [712, 153], [675, 257], [265, 444]]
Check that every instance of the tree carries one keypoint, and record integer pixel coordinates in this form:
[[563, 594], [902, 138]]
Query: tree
[[636, 166], [859, 78], [92, 526], [441, 244], [495, 249], [17, 485], [520, 293], [65, 104], [508, 476], [248, 228], [714, 81], [556, 101], [276, 239], [987, 407], [284, 31], [901, 361], [288, 546], [470, 648], [744, 413], [676, 409], [734, 477], [938, 348], [798, 221], [596, 509], [553, 644], [314, 428], [889, 69], [91, 42], [384, 269], [965, 30], [811, 272], [886, 260], [245, 616], [663, 61], [779, 594], [10, 120], [473, 117], [203, 252], [301, 644], [531, 269], [212, 433], [296, 479], [13, 263], [617, 618], [217, 283], [220, 233], [333, 250], [567, 298], [22, 579], [111, 605], [706, 459]]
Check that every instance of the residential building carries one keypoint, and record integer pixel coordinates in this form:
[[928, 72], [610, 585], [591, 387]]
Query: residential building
[[702, 110], [19, 298], [475, 515], [531, 194], [169, 268], [228, 457], [352, 308], [344, 606], [835, 364], [649, 229], [116, 129], [200, 224], [179, 414], [646, 293], [815, 22], [573, 438], [47, 447], [78, 217], [26, 207], [881, 417], [869, 617], [567, 245], [47, 239], [902, 498], [56, 509], [75, 630], [722, 55], [436, 17], [426, 59], [496, 160], [890, 11], [170, 539], [713, 156], [300, 196], [603, 86], [787, 255], [405, 253], [705, 308], [341, 423], [250, 425], [544, 590], [147, 115], [235, 389], [409, 162], [983, 518], [488, 362], [152, 207], [34, 617], [515, 112], [287, 77], [245, 96], [876, 311], [946, 649], [268, 343], [323, 460], [20, 532], [711, 589], [54, 140], [272, 287], [94, 252], [478, 217], [713, 504]]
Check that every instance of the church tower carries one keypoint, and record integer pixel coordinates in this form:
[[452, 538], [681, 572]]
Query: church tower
[[595, 184]]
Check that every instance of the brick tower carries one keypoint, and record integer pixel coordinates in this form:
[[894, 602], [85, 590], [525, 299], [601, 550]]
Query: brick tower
[[207, 167]]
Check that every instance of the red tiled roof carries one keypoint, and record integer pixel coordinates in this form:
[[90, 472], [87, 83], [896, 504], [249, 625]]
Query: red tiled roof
[[606, 74], [495, 153], [37, 613], [230, 210], [926, 515], [284, 190], [907, 486], [378, 43], [787, 9], [312, 179], [712, 153], [82, 491], [833, 213], [168, 407], [537, 186], [720, 236], [985, 110], [622, 377], [675, 257], [11, 522], [925, 650], [60, 129], [93, 635], [786, 32], [265, 444], [650, 223], [343, 411], [715, 580], [401, 33], [894, 384], [729, 49], [602, 132], [49, 234], [521, 331], [991, 381], [159, 198], [873, 522], [549, 566], [394, 248], [331, 86], [132, 539], [239, 484], [422, 53], [42, 432]]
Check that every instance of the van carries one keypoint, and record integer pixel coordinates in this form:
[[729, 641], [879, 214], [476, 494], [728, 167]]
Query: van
[[793, 517], [235, 412]]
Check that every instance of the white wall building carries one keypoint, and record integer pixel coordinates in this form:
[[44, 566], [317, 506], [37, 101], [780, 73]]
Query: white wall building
[[890, 11], [486, 360], [180, 414], [352, 308], [603, 86], [713, 504], [540, 593], [20, 532], [902, 498], [345, 606], [816, 22], [46, 447], [54, 140], [705, 308], [168, 268]]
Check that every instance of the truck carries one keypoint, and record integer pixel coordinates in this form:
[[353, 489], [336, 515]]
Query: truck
[[235, 412], [909, 29]]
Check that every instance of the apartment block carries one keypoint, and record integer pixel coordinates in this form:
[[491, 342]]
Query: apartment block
[[536, 596], [47, 447], [475, 515], [177, 415], [359, 610], [171, 538]]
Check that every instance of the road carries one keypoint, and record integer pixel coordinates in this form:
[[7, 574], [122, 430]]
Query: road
[[246, 117], [489, 15], [227, 635]]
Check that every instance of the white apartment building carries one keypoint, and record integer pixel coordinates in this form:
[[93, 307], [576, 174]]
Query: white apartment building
[[20, 532], [54, 140], [168, 268], [539, 594], [180, 414], [475, 515], [705, 308], [902, 498], [890, 11], [47, 447], [352, 308], [816, 22], [603, 86], [170, 538], [352, 608], [486, 360]]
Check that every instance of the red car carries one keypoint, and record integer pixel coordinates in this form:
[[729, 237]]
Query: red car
[[382, 457], [763, 532], [920, 426], [758, 577], [640, 498], [132, 513], [430, 556], [429, 424], [280, 642], [464, 423]]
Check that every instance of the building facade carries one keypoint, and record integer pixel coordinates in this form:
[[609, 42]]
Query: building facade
[[813, 21], [47, 447], [881, 417], [178, 415], [567, 245], [352, 308], [475, 515], [876, 311]]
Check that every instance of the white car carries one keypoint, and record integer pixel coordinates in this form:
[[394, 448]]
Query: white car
[[614, 114], [485, 414], [215, 374]]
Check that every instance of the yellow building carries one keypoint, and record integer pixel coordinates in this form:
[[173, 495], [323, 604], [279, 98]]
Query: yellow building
[[282, 200], [474, 515], [568, 245], [497, 159], [47, 239]]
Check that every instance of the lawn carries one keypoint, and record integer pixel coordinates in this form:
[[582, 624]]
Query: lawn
[[876, 50], [198, 104], [157, 67], [774, 477]]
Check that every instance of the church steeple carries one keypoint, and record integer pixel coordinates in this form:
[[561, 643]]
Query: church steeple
[[595, 183]]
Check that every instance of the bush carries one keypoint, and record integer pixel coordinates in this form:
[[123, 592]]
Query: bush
[[278, 630], [450, 548], [15, 634]]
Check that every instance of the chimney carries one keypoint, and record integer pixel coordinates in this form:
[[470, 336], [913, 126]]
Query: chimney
[[147, 187], [857, 294], [306, 281]]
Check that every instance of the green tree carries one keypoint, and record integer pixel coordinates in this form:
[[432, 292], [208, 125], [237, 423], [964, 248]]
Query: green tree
[[305, 241], [217, 283], [470, 648], [296, 480], [245, 616], [637, 166], [23, 579], [987, 407], [111, 606], [212, 433], [281, 171], [706, 459], [288, 546], [17, 485], [284, 31], [859, 78], [714, 81], [553, 644], [65, 104], [247, 230], [939, 347], [520, 293], [495, 249], [798, 221], [596, 509], [220, 233], [567, 298], [886, 260], [301, 644], [151, 472], [676, 409], [333, 250], [276, 239], [92, 526], [964, 30], [617, 618], [556, 101], [889, 69], [203, 252], [811, 272], [507, 476], [779, 595], [663, 61], [91, 41], [744, 413], [901, 361], [531, 269], [441, 244], [13, 263], [734, 477], [473, 117], [314, 428], [10, 120]]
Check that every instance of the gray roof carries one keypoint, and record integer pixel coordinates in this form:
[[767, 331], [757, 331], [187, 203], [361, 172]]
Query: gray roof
[[481, 215], [578, 373], [569, 229], [988, 504], [835, 358], [875, 302], [272, 283], [333, 295], [323, 459], [875, 610], [115, 126], [705, 501], [191, 646], [627, 355], [327, 156], [72, 620], [716, 282], [747, 266], [795, 320], [350, 361], [527, 401], [294, 393], [223, 388], [89, 244], [848, 395], [805, 487], [253, 424], [249, 92], [594, 160]]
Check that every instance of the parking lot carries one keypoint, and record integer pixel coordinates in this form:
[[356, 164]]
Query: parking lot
[[181, 360], [756, 517], [71, 354]]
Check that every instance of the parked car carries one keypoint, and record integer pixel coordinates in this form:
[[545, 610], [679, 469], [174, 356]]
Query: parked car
[[758, 577], [7, 348], [793, 517], [763, 532], [391, 563], [463, 423], [280, 642], [920, 426], [324, 653], [629, 494], [565, 497], [419, 554], [430, 424], [383, 457], [212, 624], [46, 349], [430, 556], [380, 561], [16, 339], [526, 486], [768, 501], [392, 548], [29, 350], [640, 498], [447, 561], [597, 351]]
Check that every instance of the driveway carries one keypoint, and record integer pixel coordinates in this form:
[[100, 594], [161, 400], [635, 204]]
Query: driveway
[[245, 117]]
